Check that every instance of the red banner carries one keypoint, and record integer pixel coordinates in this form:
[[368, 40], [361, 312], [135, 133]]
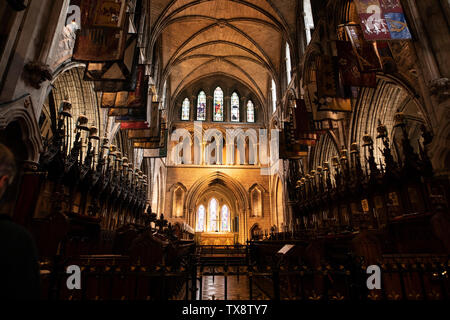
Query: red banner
[[134, 125], [349, 67], [365, 51]]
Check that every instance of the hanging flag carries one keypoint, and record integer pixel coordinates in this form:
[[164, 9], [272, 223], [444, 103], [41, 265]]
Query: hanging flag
[[386, 58], [120, 74], [382, 20], [288, 149], [134, 125], [134, 114], [349, 67], [304, 132], [364, 50], [144, 135], [128, 99], [103, 35], [155, 149], [325, 76]]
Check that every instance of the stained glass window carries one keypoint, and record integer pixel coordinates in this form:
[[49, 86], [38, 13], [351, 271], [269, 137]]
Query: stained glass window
[[212, 226], [201, 219], [201, 106], [235, 107], [218, 105], [225, 218], [185, 108], [250, 111]]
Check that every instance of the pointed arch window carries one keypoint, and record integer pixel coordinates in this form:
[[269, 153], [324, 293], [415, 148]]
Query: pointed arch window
[[162, 106], [201, 106], [250, 111], [225, 219], [308, 18], [274, 96], [201, 215], [185, 109], [218, 105], [288, 63], [235, 107], [213, 215]]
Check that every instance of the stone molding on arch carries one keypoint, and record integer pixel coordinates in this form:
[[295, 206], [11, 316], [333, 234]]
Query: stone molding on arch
[[22, 110], [260, 192], [236, 188], [276, 182], [174, 188]]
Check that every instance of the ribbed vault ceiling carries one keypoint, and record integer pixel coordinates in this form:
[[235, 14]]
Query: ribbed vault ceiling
[[241, 38]]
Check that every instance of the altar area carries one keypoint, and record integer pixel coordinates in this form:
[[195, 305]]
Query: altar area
[[216, 238]]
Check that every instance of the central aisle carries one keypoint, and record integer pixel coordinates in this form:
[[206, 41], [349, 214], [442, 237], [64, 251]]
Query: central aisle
[[214, 288]]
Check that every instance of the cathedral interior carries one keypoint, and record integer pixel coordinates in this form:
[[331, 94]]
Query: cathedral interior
[[225, 150]]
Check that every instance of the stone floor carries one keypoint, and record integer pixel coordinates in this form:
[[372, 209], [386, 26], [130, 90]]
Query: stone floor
[[238, 289]]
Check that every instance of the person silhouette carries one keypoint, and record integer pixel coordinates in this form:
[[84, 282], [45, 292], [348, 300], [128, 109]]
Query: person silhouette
[[19, 267]]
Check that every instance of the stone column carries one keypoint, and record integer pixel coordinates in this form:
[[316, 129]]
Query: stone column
[[209, 108], [243, 110], [227, 109], [193, 109]]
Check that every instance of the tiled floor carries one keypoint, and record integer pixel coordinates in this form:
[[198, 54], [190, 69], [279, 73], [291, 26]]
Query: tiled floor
[[214, 288]]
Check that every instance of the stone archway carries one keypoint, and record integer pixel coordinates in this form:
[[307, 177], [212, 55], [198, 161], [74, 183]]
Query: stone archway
[[228, 191]]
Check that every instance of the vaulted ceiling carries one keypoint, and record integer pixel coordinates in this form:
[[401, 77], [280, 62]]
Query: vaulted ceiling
[[242, 38]]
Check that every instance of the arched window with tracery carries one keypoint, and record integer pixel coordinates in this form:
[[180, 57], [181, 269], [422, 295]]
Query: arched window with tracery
[[213, 215], [235, 107], [225, 219], [201, 106], [250, 111], [201, 218], [185, 109], [218, 105]]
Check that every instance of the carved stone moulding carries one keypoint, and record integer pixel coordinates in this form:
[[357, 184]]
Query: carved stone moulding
[[440, 88], [35, 73]]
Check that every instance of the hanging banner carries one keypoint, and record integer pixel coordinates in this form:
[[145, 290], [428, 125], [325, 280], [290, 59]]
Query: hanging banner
[[121, 74], [326, 81], [365, 51], [334, 104], [154, 117], [154, 150], [349, 67], [303, 124], [143, 135], [134, 125], [288, 148], [386, 58], [382, 20], [128, 99], [103, 33], [122, 115]]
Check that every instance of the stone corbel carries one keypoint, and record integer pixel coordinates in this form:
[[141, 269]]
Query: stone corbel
[[35, 73], [440, 88]]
